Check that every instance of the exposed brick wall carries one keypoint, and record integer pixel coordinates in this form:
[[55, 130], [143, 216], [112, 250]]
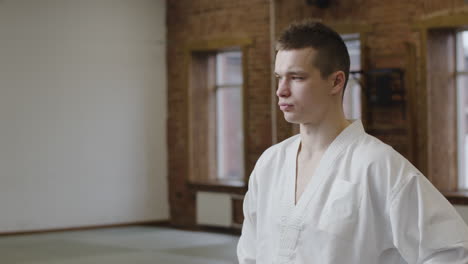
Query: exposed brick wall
[[190, 20]]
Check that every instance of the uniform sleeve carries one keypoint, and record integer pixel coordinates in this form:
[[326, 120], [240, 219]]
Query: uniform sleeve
[[425, 226], [246, 248]]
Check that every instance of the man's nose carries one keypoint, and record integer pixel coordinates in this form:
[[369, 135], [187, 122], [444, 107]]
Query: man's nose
[[283, 89]]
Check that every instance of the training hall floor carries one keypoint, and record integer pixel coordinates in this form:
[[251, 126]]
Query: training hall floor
[[124, 245]]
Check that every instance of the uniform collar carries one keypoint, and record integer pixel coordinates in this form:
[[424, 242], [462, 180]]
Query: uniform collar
[[350, 134]]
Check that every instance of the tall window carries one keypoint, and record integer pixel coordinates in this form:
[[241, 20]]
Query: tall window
[[352, 96], [229, 127], [216, 117], [462, 106]]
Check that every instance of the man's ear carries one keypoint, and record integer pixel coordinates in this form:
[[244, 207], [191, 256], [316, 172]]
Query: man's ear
[[337, 80]]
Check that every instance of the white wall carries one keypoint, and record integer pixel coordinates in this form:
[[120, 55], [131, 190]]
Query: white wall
[[82, 113]]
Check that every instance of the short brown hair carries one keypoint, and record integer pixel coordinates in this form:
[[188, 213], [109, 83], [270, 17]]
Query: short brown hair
[[332, 54]]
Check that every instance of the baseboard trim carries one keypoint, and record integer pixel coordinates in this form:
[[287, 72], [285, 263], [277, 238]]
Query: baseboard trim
[[216, 229], [163, 223]]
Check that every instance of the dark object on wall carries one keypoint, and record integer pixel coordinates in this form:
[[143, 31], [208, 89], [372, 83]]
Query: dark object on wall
[[319, 3], [386, 88]]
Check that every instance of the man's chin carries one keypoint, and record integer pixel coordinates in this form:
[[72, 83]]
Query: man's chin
[[291, 119]]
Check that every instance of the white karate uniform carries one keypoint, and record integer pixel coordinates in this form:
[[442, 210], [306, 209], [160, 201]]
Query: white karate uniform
[[365, 204]]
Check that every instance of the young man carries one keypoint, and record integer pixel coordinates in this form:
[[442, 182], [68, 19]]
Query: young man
[[334, 194]]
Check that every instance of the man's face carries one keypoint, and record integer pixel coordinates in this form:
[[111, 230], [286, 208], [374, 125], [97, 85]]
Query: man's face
[[303, 96]]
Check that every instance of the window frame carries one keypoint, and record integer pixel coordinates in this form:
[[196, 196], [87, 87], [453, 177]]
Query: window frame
[[445, 19], [214, 46]]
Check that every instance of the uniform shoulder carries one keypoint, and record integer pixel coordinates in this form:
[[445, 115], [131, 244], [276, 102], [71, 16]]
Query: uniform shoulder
[[371, 149], [384, 163]]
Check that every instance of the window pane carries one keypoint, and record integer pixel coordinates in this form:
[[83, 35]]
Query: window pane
[[462, 106], [230, 147], [354, 49], [462, 51], [352, 99], [352, 96], [229, 68]]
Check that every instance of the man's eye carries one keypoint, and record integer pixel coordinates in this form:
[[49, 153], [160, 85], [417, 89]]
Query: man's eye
[[297, 78]]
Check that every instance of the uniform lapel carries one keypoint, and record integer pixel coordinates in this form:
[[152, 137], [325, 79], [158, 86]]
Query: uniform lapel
[[334, 150]]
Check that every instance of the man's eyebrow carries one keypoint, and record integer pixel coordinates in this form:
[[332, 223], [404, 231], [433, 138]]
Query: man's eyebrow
[[293, 73]]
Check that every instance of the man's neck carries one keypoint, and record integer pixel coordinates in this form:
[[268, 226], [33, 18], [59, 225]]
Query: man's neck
[[315, 138]]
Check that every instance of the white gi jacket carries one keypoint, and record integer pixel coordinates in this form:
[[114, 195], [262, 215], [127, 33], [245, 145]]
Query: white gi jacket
[[365, 204]]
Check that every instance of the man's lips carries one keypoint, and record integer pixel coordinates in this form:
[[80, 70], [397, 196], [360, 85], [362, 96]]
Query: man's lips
[[285, 107]]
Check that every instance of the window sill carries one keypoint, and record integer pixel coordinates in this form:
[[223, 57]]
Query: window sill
[[221, 186], [457, 197]]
